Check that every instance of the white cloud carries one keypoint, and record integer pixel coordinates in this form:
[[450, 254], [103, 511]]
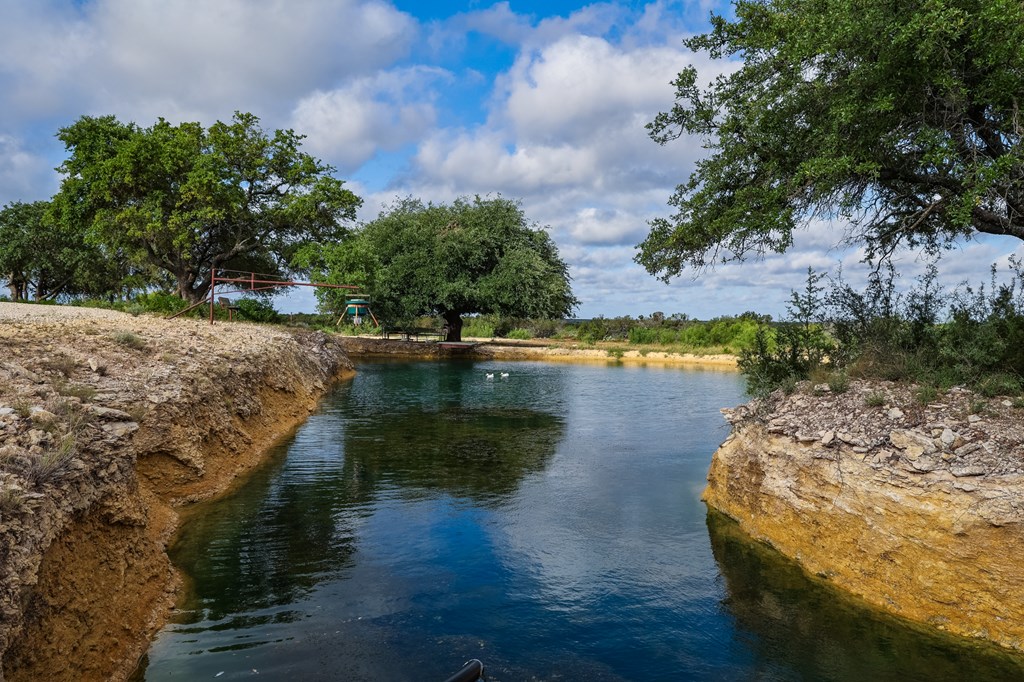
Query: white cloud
[[24, 176], [348, 125], [145, 58]]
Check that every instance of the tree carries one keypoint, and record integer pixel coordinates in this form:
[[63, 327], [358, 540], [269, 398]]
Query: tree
[[187, 200], [42, 258], [473, 256], [901, 117]]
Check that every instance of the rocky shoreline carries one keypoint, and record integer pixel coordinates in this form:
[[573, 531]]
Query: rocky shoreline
[[109, 424], [915, 507]]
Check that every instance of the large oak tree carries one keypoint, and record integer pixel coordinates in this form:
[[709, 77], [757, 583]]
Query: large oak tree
[[902, 117], [472, 256], [186, 200]]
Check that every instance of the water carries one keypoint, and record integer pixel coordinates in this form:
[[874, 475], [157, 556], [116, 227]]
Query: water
[[547, 523]]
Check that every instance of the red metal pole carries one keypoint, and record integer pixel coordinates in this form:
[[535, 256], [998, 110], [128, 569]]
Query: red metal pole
[[213, 289]]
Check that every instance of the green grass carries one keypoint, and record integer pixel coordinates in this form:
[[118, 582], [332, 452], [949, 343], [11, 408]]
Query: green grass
[[129, 340], [875, 399]]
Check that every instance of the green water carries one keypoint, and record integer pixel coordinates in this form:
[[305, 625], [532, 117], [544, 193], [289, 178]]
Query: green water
[[547, 522]]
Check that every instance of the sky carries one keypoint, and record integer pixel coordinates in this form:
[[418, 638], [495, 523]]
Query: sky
[[542, 102]]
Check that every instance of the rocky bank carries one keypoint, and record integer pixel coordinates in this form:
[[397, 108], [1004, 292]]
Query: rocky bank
[[915, 507], [109, 425]]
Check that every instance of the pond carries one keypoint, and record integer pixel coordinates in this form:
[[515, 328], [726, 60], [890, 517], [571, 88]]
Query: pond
[[545, 520]]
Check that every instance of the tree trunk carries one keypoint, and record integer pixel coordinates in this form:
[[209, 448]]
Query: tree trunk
[[188, 289], [16, 283], [453, 322]]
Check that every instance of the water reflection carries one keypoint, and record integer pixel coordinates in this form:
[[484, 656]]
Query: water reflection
[[482, 454], [803, 629], [548, 523]]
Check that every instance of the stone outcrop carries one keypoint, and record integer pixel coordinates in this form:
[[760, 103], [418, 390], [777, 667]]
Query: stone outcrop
[[109, 425], [915, 508]]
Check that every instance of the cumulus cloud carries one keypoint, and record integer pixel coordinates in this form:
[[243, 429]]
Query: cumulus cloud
[[145, 58], [349, 124]]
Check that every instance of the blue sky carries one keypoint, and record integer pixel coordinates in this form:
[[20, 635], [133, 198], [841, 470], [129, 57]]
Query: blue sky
[[544, 102]]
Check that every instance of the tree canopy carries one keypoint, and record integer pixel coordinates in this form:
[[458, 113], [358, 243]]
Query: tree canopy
[[41, 259], [472, 256], [901, 117], [183, 199]]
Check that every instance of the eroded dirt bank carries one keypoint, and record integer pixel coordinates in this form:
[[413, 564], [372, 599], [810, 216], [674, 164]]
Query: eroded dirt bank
[[548, 351], [917, 509], [108, 425]]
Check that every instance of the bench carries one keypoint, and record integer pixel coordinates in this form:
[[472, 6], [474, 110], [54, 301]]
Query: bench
[[415, 333], [225, 303]]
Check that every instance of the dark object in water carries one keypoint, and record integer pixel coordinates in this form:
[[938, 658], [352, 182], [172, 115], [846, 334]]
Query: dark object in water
[[472, 670]]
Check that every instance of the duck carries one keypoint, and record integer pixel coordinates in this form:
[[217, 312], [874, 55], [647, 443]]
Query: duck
[[490, 375], [504, 375]]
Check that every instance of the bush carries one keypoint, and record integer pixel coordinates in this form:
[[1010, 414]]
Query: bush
[[130, 340], [882, 333], [255, 310], [792, 349], [161, 302]]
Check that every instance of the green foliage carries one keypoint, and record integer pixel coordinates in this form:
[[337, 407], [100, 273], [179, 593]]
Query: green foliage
[[977, 340], [256, 310], [163, 303], [478, 326], [520, 333], [44, 259], [926, 393], [901, 117], [793, 349], [473, 256], [129, 340], [875, 399], [179, 200], [838, 382]]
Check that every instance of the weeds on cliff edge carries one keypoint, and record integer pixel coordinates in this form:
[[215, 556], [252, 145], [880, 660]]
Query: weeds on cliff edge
[[11, 500], [971, 336], [64, 365], [22, 407], [130, 340], [68, 427], [838, 382], [926, 393], [82, 391], [875, 399], [51, 462], [977, 407]]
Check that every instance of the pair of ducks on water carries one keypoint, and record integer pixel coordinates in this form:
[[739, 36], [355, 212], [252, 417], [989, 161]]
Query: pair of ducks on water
[[490, 375]]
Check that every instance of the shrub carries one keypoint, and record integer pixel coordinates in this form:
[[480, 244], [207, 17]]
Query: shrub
[[130, 340], [793, 349], [875, 399], [478, 326], [997, 384], [255, 310], [161, 302], [926, 393], [522, 334], [838, 382]]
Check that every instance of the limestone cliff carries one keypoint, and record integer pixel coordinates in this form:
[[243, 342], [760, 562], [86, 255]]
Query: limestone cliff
[[109, 424], [915, 508]]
